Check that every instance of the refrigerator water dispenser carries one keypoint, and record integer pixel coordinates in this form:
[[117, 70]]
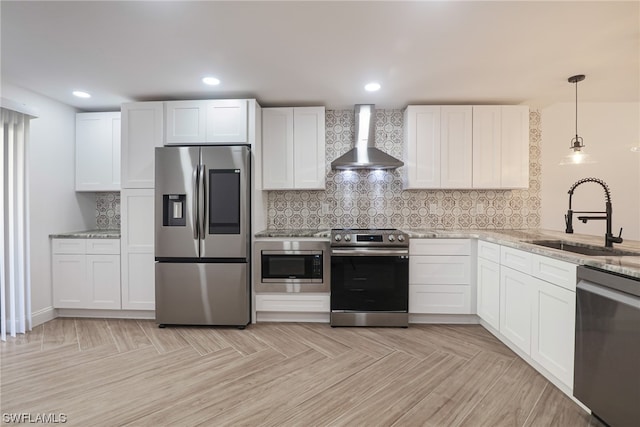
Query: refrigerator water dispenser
[[173, 210]]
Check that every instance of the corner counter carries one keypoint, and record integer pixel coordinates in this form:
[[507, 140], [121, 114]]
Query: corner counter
[[519, 239]]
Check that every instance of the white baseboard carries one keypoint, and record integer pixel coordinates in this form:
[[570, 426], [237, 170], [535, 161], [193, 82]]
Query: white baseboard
[[458, 319], [273, 316], [42, 316], [107, 314]]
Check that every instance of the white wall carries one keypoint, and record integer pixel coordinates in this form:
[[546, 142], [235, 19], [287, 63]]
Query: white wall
[[54, 205], [609, 131]]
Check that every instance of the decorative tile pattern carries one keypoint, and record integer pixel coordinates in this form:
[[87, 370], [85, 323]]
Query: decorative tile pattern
[[108, 211], [365, 199]]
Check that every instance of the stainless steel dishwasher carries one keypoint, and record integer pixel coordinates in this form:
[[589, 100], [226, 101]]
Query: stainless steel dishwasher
[[607, 352]]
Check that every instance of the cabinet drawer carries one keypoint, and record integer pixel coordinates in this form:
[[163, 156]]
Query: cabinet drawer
[[440, 299], [489, 251], [439, 270], [516, 259], [68, 246], [440, 247], [293, 302], [103, 246], [554, 271]]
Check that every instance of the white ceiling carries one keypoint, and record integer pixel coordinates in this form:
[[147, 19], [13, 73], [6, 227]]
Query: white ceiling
[[309, 53]]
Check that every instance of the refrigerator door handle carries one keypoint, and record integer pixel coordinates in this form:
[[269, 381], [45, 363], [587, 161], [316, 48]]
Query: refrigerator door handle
[[203, 192], [196, 200]]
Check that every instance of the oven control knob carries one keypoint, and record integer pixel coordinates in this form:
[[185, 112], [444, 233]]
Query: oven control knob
[[401, 238], [337, 238], [391, 237], [347, 238]]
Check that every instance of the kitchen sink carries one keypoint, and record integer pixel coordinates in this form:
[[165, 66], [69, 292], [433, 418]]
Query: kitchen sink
[[582, 249]]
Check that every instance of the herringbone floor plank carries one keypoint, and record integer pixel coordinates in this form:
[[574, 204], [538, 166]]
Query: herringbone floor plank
[[108, 372]]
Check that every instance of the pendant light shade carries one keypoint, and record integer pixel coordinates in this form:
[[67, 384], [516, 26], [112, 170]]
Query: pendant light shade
[[578, 155]]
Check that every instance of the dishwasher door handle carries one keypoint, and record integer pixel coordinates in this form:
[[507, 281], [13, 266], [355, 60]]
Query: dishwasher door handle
[[611, 294]]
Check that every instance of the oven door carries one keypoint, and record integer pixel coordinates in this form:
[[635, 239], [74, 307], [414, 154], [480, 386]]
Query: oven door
[[370, 280]]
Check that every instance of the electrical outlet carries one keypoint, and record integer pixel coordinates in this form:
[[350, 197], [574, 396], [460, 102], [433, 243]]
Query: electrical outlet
[[325, 208], [479, 208], [433, 209]]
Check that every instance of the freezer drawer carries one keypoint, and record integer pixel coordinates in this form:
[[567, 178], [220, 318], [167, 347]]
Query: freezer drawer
[[202, 294]]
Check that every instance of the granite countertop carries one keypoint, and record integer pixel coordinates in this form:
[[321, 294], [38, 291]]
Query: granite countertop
[[300, 233], [519, 239], [88, 234], [627, 265]]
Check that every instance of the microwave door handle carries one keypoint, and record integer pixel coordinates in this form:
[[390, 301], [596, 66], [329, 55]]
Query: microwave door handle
[[203, 208], [196, 197]]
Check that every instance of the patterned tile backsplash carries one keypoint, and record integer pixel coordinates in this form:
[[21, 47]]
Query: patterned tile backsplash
[[365, 199], [108, 211]]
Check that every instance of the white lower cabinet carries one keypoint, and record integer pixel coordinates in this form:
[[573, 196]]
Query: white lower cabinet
[[534, 304], [553, 329], [488, 289], [86, 273], [515, 307], [440, 276], [293, 302], [138, 262]]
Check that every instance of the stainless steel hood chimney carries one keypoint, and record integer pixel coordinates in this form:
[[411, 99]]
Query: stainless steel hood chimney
[[365, 155]]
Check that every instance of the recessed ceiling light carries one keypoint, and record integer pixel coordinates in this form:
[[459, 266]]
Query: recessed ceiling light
[[211, 81], [372, 87], [81, 94]]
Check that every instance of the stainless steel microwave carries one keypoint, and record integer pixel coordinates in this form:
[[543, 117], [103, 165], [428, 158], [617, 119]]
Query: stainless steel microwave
[[292, 266]]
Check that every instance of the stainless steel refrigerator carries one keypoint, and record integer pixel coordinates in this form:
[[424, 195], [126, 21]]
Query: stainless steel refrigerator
[[202, 235]]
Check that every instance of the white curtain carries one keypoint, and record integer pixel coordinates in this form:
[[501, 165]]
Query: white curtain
[[15, 292]]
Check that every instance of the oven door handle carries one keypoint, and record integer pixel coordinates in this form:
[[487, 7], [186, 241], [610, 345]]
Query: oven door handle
[[369, 252]]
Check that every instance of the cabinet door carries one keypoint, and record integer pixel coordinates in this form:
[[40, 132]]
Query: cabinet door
[[226, 121], [318, 303], [142, 131], [489, 292], [277, 148], [98, 151], [439, 270], [440, 299], [185, 122], [309, 163], [515, 307], [487, 148], [514, 146], [456, 148], [69, 273], [422, 147], [103, 281], [137, 251], [553, 329]]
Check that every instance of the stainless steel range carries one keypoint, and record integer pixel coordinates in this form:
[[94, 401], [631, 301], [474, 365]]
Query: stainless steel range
[[369, 277]]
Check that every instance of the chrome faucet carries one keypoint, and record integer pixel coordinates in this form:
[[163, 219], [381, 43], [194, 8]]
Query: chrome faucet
[[609, 238]]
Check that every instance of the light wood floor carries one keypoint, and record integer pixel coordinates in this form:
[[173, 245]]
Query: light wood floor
[[124, 372]]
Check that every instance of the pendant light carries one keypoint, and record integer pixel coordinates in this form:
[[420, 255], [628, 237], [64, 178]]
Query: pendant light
[[578, 156]]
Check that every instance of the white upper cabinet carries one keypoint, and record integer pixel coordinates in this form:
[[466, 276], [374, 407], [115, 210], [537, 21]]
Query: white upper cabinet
[[437, 146], [98, 151], [500, 146], [277, 148], [206, 121], [455, 146], [142, 131], [422, 147], [293, 148], [226, 121], [462, 146]]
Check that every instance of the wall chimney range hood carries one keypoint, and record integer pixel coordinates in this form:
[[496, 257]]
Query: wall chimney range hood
[[364, 155]]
